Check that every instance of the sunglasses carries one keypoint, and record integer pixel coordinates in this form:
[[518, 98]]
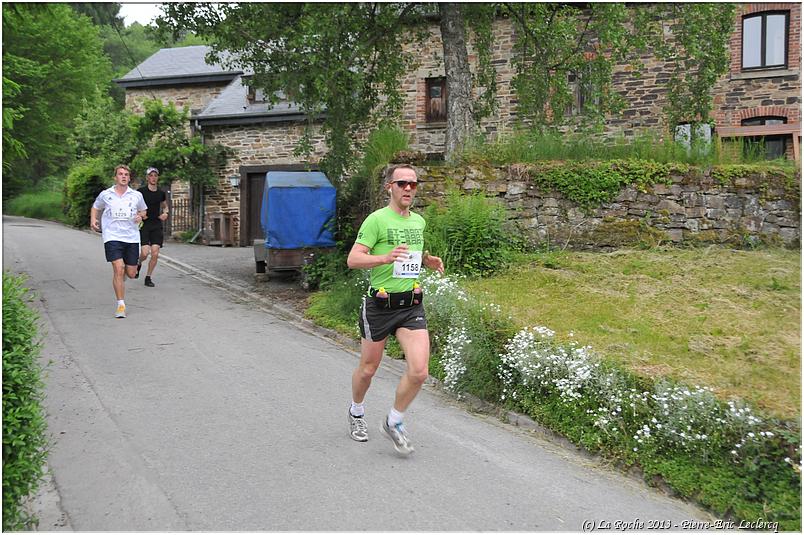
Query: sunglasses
[[402, 184]]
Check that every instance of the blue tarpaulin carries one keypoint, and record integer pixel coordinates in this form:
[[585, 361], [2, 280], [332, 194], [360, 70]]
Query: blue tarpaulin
[[298, 210]]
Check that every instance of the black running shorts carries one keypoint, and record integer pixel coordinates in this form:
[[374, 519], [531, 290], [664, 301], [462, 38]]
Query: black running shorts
[[151, 234], [376, 323]]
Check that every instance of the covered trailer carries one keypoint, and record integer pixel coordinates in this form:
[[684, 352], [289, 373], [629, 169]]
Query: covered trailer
[[297, 217]]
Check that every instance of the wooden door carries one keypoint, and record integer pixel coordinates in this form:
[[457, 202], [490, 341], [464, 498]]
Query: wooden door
[[256, 186]]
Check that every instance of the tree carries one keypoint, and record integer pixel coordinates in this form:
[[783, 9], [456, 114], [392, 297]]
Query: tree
[[13, 149], [127, 47], [101, 13], [52, 59], [105, 136], [346, 58]]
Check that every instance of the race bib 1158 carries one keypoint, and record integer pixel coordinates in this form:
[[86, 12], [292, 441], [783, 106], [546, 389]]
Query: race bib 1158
[[408, 268]]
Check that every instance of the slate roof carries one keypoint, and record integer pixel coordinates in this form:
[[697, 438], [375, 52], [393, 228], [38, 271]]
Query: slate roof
[[173, 64], [177, 66], [233, 104]]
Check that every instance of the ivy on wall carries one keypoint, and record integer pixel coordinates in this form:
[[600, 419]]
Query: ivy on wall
[[590, 184]]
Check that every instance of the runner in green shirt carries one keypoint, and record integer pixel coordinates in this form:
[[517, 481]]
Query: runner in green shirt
[[390, 242]]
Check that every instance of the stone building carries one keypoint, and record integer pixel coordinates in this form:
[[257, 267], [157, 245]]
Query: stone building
[[759, 98]]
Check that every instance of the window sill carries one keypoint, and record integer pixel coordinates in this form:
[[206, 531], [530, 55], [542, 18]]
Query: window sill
[[765, 73], [432, 126]]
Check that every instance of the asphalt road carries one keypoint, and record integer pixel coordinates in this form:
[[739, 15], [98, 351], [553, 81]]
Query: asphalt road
[[204, 412]]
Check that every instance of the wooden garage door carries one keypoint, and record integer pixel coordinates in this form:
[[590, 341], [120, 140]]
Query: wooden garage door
[[256, 185]]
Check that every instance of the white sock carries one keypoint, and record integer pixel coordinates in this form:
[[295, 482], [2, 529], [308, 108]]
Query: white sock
[[395, 417], [357, 410], [121, 302]]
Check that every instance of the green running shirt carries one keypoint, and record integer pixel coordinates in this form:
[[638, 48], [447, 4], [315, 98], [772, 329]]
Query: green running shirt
[[381, 232]]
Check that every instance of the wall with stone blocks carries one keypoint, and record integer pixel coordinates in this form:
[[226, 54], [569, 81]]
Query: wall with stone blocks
[[196, 97], [694, 208]]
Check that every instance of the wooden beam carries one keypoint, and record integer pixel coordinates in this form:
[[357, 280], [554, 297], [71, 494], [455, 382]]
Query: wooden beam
[[758, 130]]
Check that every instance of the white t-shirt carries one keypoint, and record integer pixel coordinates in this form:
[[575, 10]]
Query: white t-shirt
[[119, 212]]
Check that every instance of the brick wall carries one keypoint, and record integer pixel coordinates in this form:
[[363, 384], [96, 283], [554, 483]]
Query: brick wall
[[735, 97], [430, 137], [742, 95], [645, 94]]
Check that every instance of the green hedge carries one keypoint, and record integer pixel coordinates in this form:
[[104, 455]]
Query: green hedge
[[85, 181], [24, 440]]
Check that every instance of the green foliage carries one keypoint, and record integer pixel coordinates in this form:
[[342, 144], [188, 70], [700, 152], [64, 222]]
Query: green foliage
[[526, 146], [338, 307], [84, 182], [469, 235], [782, 172], [105, 137], [590, 184], [556, 41], [328, 269], [698, 54], [53, 56], [38, 205], [364, 192], [13, 148], [101, 128], [335, 57], [24, 440], [161, 140], [101, 13], [342, 57], [552, 43]]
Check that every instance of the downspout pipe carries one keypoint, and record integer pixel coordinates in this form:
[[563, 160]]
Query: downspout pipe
[[197, 128]]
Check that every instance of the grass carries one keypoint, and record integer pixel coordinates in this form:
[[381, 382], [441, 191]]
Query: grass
[[38, 205], [528, 147], [723, 318]]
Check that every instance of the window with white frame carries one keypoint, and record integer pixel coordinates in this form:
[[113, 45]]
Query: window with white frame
[[765, 40]]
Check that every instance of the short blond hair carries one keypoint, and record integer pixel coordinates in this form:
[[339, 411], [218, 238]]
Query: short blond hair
[[121, 167]]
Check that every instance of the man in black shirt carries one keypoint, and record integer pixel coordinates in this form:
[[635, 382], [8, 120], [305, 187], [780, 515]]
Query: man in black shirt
[[151, 233]]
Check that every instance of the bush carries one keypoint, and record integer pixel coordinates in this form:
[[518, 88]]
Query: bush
[[731, 460], [85, 181], [24, 441], [328, 269], [101, 129], [362, 194], [469, 234], [466, 337]]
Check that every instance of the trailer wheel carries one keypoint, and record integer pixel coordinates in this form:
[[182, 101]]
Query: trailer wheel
[[305, 283], [261, 265]]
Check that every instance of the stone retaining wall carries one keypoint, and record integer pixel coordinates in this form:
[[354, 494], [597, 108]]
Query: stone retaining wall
[[695, 208]]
